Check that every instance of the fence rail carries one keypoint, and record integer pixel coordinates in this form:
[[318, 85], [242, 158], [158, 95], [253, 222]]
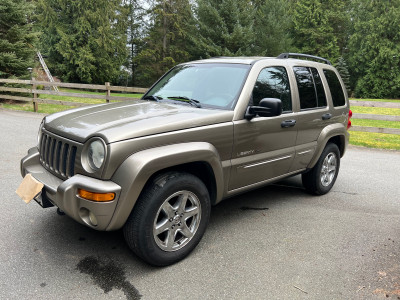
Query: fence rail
[[375, 129], [107, 88], [374, 104], [375, 117]]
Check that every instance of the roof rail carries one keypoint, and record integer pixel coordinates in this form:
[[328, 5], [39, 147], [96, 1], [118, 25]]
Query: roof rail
[[287, 55]]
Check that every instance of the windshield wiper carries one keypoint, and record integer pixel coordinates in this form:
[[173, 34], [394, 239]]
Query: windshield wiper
[[187, 100], [152, 97]]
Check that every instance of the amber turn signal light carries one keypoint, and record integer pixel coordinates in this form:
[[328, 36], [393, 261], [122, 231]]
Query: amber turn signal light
[[99, 197]]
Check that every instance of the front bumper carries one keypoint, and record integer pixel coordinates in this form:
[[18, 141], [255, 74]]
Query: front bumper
[[64, 193]]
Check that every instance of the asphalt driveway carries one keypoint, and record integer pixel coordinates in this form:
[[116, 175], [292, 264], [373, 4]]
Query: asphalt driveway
[[273, 243]]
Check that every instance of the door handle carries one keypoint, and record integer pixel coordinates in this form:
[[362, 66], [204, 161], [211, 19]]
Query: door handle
[[326, 116], [288, 123]]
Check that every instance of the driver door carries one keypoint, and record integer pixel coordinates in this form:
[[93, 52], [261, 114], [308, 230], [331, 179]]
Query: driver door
[[264, 148]]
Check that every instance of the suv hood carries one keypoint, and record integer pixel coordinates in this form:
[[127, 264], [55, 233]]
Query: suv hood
[[125, 120]]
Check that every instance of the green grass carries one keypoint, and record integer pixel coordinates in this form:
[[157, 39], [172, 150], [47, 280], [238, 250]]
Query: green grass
[[375, 123], [68, 90], [375, 140], [52, 108], [376, 110], [43, 108], [378, 100], [85, 100]]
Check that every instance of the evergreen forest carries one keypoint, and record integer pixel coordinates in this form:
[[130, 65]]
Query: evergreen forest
[[134, 42]]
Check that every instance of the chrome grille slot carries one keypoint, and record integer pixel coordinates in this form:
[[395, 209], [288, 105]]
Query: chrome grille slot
[[57, 155], [51, 154], [71, 162]]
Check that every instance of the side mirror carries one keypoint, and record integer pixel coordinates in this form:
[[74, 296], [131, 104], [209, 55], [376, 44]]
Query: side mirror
[[268, 107]]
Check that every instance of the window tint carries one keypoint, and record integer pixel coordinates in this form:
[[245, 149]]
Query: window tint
[[310, 87], [319, 88], [335, 87], [273, 82]]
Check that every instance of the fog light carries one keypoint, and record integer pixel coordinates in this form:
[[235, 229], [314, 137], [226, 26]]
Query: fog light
[[92, 219]]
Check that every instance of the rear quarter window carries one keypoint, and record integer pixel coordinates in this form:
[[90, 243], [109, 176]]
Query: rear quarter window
[[335, 87]]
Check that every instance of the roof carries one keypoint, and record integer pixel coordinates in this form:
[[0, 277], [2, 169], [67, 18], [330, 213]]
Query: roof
[[232, 60]]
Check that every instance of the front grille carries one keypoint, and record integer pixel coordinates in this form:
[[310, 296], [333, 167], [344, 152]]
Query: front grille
[[57, 155]]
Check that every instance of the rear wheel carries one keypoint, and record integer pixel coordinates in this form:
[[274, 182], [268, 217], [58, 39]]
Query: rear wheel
[[320, 179], [169, 219]]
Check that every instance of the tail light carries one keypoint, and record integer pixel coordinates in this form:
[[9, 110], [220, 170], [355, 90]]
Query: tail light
[[348, 121]]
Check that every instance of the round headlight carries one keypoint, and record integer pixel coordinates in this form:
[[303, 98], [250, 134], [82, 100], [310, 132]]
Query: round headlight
[[39, 136], [96, 154]]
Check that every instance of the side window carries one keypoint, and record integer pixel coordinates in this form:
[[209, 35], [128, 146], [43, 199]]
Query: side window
[[335, 87], [273, 82], [311, 91], [319, 88]]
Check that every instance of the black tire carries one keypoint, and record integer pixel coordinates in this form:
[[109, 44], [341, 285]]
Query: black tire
[[181, 228], [321, 178]]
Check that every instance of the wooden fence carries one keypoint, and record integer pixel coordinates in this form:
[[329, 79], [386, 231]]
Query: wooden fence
[[375, 117], [107, 88]]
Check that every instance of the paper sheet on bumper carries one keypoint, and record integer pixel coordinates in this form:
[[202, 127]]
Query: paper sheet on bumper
[[29, 188]]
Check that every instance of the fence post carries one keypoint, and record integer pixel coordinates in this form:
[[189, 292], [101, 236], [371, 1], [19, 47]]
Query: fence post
[[108, 92], [35, 104]]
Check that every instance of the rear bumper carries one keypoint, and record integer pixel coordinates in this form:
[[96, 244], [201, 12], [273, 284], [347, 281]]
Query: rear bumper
[[63, 193]]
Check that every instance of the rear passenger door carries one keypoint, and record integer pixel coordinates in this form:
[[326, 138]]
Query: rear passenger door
[[313, 115]]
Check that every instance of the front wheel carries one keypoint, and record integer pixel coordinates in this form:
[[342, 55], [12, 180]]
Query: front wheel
[[320, 179], [169, 218]]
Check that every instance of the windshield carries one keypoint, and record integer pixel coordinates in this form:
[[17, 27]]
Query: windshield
[[211, 85]]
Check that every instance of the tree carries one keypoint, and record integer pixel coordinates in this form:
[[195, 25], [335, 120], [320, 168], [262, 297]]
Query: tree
[[17, 39], [338, 15], [375, 48], [225, 27], [168, 40], [341, 66], [85, 40], [313, 27], [272, 28], [137, 28]]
